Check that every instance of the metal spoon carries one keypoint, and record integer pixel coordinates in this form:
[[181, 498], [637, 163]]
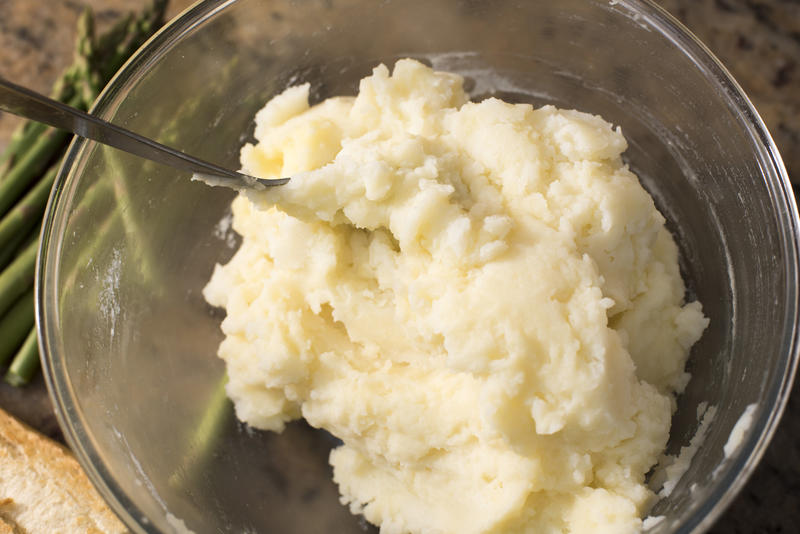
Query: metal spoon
[[32, 105]]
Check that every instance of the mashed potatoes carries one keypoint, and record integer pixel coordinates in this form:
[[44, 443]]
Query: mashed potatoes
[[478, 299]]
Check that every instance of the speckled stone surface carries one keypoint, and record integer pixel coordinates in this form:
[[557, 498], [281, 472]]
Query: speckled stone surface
[[757, 40]]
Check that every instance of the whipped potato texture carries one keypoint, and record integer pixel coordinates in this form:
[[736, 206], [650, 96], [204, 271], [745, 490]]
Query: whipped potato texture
[[478, 299]]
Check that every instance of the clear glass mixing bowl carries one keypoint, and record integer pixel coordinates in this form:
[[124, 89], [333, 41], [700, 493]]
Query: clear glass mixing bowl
[[129, 343]]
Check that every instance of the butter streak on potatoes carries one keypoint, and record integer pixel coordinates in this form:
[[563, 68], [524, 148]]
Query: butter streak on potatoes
[[478, 299]]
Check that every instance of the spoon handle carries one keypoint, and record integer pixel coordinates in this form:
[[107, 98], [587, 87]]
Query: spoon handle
[[31, 105]]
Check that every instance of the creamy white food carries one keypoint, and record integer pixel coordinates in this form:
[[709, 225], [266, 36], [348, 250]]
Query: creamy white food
[[478, 299]]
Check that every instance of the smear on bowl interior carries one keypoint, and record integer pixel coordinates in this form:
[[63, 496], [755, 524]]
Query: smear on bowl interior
[[478, 299]]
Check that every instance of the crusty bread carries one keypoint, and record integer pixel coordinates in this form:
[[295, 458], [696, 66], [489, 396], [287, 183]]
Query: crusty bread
[[43, 488], [6, 528]]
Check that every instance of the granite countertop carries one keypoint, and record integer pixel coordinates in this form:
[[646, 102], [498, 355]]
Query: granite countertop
[[757, 40]]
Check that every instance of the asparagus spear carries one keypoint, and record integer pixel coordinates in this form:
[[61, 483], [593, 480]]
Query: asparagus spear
[[138, 30], [107, 43], [10, 250], [30, 167], [21, 140], [17, 277], [25, 363], [88, 79], [28, 211], [15, 325]]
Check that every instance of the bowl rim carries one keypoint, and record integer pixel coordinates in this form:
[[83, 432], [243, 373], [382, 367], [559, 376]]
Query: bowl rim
[[775, 175]]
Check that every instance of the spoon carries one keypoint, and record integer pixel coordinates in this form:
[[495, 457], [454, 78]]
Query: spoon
[[32, 105]]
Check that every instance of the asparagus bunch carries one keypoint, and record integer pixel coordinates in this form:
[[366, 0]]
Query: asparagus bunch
[[28, 167]]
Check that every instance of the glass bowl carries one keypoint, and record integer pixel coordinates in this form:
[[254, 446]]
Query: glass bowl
[[129, 344]]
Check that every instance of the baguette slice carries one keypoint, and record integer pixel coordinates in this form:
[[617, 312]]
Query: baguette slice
[[43, 488]]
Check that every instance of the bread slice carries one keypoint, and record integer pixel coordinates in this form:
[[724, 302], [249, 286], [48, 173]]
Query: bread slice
[[43, 488]]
